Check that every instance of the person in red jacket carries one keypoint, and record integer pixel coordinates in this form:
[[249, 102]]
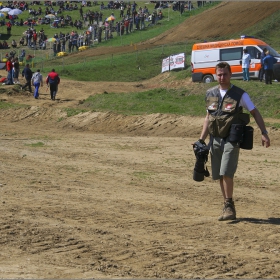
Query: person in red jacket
[[9, 68], [53, 81], [34, 39]]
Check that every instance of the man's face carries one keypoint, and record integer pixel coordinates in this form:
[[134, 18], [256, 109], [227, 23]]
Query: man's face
[[223, 76]]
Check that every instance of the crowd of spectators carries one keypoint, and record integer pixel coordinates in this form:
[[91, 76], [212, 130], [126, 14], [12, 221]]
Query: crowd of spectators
[[125, 18]]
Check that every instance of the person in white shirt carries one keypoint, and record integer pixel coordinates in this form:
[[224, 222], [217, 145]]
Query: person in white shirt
[[37, 81], [246, 60], [225, 104]]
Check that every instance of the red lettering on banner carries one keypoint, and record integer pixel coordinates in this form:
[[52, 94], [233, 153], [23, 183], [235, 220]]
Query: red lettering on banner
[[220, 45]]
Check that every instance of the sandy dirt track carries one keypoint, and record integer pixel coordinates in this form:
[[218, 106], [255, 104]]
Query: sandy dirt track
[[101, 195]]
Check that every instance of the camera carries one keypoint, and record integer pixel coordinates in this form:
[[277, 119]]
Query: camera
[[201, 152]]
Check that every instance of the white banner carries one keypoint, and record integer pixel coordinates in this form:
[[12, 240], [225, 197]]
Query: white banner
[[173, 62], [165, 65], [177, 61]]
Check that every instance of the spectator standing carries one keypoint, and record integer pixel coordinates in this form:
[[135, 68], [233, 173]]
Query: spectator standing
[[9, 27], [268, 62], [22, 55], [246, 60], [37, 81], [27, 74], [9, 68], [53, 81], [16, 70], [35, 37], [261, 73]]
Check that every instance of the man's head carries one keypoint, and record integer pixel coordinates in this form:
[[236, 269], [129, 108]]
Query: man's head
[[223, 65], [264, 50], [53, 70], [38, 70], [223, 72], [245, 50]]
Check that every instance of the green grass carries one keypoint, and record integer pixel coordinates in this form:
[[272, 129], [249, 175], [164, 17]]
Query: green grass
[[36, 145], [135, 66], [153, 101], [182, 101]]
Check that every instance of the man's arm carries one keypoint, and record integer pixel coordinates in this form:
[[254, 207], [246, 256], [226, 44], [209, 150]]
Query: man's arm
[[205, 132], [260, 122]]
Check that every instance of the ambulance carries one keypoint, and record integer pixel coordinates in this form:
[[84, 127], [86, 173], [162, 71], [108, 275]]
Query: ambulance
[[205, 56]]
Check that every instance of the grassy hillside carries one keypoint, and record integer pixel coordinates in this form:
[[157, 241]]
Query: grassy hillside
[[125, 66], [141, 65]]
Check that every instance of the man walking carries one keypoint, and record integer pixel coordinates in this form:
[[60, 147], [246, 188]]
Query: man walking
[[224, 105], [27, 73], [53, 81], [37, 81]]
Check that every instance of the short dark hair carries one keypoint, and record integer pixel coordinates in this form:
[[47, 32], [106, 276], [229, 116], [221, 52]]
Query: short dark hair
[[223, 65], [53, 70], [38, 70]]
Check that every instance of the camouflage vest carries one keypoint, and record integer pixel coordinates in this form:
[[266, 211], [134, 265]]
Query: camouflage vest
[[224, 111]]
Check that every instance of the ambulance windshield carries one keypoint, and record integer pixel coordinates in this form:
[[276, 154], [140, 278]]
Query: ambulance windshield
[[272, 51]]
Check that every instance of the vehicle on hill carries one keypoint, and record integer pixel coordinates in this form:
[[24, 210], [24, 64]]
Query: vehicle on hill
[[205, 56]]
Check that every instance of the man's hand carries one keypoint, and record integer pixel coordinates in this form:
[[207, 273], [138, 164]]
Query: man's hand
[[265, 140]]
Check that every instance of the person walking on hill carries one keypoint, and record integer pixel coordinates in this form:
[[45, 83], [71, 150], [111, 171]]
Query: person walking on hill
[[27, 73], [53, 81], [268, 62], [225, 104], [37, 81], [246, 60]]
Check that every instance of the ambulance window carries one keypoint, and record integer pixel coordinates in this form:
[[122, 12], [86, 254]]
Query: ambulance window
[[272, 51], [253, 52], [231, 54]]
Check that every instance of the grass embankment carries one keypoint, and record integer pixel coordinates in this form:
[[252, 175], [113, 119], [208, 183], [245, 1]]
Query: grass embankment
[[183, 101]]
